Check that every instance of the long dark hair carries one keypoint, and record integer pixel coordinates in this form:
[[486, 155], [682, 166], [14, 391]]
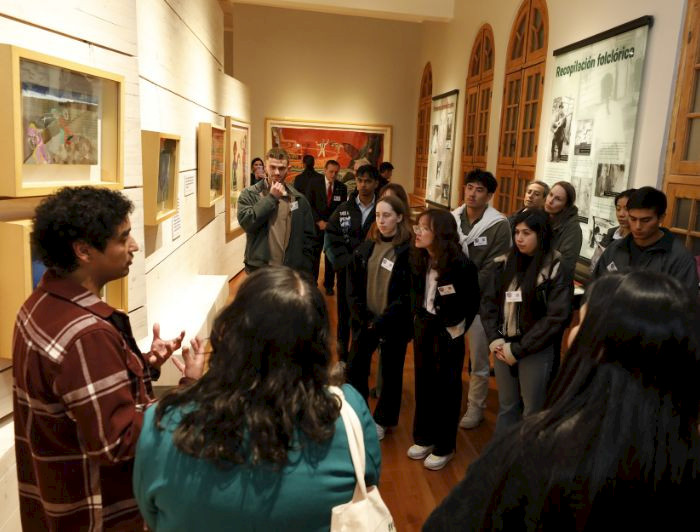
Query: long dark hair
[[523, 268], [267, 376], [630, 381], [622, 418], [445, 246]]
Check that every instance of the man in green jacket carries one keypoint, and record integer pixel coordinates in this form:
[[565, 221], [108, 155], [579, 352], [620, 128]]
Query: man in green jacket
[[277, 220]]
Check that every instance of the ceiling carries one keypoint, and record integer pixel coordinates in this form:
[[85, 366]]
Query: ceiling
[[404, 10]]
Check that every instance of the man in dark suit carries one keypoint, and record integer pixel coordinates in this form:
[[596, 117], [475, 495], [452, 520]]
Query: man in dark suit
[[324, 197], [309, 175]]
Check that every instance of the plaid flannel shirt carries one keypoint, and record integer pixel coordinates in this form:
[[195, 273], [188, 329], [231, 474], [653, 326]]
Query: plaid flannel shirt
[[80, 390]]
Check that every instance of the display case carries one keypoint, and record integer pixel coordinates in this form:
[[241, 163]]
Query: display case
[[211, 163], [160, 162], [237, 169], [62, 124], [20, 273]]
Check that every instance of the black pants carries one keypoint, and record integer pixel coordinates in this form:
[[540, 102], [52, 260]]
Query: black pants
[[318, 247], [328, 274], [343, 331], [393, 354], [438, 361]]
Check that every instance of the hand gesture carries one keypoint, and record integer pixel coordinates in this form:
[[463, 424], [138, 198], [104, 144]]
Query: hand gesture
[[193, 366], [161, 350], [277, 190]]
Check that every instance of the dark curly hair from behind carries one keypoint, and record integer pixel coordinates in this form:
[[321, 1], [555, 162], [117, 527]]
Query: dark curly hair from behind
[[87, 214], [267, 378]]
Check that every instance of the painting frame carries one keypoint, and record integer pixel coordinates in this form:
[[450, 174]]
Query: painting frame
[[18, 280], [237, 162], [211, 161], [65, 133], [441, 150], [329, 127], [160, 154]]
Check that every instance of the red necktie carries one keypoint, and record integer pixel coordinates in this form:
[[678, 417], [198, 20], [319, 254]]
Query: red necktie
[[329, 194]]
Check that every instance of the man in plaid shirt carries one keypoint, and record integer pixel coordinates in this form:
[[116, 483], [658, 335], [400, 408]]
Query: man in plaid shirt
[[80, 382]]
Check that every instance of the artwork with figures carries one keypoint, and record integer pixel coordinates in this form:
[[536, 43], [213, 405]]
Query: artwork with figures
[[216, 178], [166, 173], [441, 153], [596, 88], [60, 114], [238, 168], [346, 143]]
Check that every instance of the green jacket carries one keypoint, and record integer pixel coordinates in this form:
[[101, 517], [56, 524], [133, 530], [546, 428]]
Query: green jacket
[[255, 206]]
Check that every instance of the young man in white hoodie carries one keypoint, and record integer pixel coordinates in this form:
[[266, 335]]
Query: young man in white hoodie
[[485, 237]]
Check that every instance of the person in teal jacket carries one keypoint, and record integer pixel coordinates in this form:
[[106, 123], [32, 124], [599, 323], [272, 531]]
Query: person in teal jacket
[[257, 443]]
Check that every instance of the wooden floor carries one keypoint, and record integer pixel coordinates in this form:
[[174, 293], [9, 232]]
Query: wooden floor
[[410, 491]]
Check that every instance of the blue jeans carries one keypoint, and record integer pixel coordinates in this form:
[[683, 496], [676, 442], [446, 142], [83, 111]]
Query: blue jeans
[[522, 388]]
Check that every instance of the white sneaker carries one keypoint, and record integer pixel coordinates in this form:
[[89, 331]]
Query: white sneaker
[[435, 462], [472, 418], [419, 452], [381, 431]]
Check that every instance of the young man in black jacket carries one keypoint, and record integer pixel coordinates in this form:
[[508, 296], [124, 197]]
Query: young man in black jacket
[[346, 230], [648, 246], [325, 197]]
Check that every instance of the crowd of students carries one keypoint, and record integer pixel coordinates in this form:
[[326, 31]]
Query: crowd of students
[[257, 442]]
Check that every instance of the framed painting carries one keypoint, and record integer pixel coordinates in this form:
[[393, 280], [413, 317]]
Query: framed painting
[[211, 162], [20, 273], [237, 170], [346, 143], [62, 124], [441, 151], [160, 160]]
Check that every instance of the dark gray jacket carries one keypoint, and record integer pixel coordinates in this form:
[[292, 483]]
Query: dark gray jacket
[[667, 255], [255, 207], [567, 238]]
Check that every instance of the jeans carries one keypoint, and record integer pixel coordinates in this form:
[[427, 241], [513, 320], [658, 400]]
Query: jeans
[[527, 380], [479, 357], [438, 360]]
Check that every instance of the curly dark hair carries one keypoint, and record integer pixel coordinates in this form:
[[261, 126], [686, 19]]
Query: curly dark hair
[[267, 376], [445, 246], [87, 214]]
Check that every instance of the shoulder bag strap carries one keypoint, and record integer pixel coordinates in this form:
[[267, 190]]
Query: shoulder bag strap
[[353, 429]]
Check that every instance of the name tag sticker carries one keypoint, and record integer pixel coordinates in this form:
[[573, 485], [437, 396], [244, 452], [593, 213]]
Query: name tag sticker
[[336, 198], [294, 205], [612, 267], [387, 264], [481, 241], [446, 290], [516, 296]]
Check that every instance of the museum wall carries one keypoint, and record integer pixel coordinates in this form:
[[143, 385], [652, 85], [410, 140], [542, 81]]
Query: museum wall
[[170, 53], [321, 67], [448, 45]]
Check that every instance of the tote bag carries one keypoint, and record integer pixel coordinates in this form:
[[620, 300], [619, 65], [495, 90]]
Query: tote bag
[[366, 511]]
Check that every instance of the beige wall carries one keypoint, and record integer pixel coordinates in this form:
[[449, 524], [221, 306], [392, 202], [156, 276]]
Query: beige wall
[[329, 67], [448, 45], [170, 54]]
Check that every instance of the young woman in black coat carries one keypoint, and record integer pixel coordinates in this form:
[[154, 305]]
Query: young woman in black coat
[[446, 299], [379, 287], [525, 310]]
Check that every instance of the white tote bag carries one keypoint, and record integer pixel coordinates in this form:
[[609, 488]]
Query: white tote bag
[[366, 511]]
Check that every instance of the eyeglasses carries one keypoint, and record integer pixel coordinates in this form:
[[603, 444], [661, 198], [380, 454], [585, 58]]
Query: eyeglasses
[[418, 229]]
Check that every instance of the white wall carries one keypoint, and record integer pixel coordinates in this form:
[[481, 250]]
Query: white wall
[[324, 67], [448, 45]]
